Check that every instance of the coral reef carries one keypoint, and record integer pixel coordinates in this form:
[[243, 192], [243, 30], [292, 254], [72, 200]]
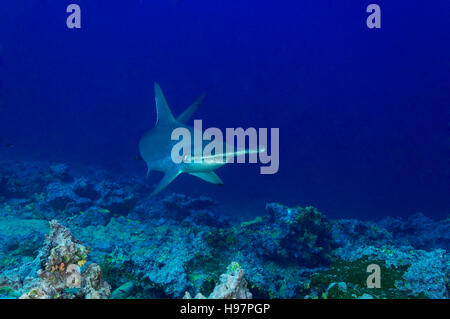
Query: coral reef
[[302, 235], [232, 285], [61, 258], [179, 246]]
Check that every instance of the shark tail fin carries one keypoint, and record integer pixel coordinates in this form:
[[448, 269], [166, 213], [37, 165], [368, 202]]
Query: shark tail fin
[[163, 113], [209, 177], [166, 180], [187, 114]]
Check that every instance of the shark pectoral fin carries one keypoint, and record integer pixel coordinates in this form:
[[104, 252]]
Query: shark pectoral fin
[[163, 113], [187, 114], [210, 177], [166, 180]]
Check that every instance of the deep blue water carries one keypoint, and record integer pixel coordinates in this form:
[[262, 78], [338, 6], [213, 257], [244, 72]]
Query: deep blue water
[[363, 114]]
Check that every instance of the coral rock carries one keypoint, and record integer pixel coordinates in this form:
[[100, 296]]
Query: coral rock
[[60, 275], [232, 285]]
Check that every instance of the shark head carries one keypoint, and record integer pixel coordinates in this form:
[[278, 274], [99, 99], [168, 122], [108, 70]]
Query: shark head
[[156, 146]]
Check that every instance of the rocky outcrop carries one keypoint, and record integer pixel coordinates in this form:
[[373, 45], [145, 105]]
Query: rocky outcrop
[[232, 285], [61, 258]]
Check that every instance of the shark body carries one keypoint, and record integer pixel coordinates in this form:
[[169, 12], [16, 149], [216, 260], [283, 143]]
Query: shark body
[[156, 146]]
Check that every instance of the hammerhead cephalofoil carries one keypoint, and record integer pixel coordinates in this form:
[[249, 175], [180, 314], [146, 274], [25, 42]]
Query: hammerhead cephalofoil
[[157, 144]]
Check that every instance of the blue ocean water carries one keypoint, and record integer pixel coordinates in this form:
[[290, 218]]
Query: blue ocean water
[[363, 113], [360, 200]]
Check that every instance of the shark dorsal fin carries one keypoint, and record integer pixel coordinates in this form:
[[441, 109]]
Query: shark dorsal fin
[[163, 113], [187, 114]]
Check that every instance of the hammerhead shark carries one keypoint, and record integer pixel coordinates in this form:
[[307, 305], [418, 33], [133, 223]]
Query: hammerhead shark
[[156, 145]]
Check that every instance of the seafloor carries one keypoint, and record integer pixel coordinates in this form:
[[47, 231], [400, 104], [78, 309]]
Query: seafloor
[[127, 245]]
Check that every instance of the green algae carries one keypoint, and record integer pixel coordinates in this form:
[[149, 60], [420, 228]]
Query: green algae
[[257, 220], [114, 271], [203, 271], [354, 275], [8, 291]]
